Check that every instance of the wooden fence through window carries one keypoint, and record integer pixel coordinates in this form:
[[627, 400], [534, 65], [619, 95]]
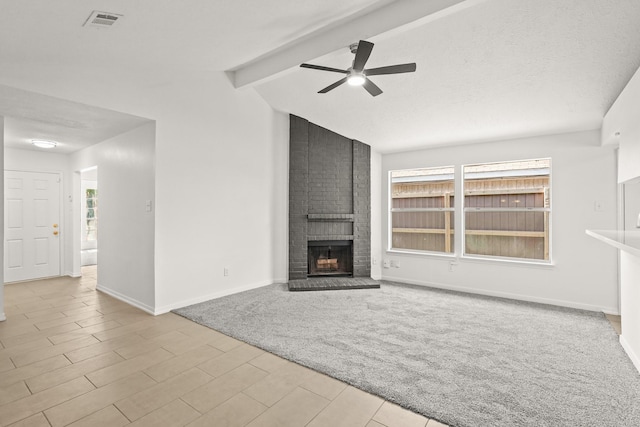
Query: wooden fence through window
[[503, 216]]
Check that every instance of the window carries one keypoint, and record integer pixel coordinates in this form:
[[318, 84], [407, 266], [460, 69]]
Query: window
[[422, 209], [91, 214], [507, 209]]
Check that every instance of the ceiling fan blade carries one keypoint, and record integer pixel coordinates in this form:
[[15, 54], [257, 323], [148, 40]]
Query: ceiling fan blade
[[372, 88], [333, 86], [391, 69], [362, 55], [320, 67]]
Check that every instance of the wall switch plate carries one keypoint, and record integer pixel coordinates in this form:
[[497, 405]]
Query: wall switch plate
[[226, 271], [597, 206]]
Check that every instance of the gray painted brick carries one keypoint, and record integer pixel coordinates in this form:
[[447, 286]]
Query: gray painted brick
[[329, 194]]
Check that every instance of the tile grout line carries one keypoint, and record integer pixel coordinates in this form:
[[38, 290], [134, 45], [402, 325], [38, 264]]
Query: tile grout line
[[258, 415], [330, 401], [46, 418], [190, 406]]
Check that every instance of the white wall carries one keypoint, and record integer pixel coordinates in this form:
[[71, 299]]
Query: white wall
[[630, 296], [221, 192], [621, 125], [126, 164], [2, 315], [584, 272], [279, 226], [376, 214]]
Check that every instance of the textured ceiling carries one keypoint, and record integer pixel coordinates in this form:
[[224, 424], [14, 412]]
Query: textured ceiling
[[74, 126], [487, 70], [499, 69], [44, 48]]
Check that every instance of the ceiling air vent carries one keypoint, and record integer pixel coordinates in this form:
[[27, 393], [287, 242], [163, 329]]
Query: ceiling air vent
[[102, 19]]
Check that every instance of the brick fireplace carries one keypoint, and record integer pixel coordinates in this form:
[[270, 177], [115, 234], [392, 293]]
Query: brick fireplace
[[329, 203]]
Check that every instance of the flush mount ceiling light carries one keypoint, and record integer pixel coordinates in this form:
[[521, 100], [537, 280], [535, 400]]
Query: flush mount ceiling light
[[43, 143]]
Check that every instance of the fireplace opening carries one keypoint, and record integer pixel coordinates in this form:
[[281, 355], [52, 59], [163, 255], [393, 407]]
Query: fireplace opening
[[330, 258]]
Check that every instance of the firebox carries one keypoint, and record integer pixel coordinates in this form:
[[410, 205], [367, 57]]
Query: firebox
[[330, 258]]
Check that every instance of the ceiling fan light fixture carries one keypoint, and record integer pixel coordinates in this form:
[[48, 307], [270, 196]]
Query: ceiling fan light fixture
[[356, 79], [357, 74], [42, 143]]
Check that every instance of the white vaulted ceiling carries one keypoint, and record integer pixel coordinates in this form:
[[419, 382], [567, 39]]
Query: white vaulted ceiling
[[499, 69], [487, 69]]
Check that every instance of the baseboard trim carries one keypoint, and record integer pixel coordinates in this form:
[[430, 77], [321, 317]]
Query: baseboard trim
[[518, 297], [632, 355], [117, 295], [215, 295]]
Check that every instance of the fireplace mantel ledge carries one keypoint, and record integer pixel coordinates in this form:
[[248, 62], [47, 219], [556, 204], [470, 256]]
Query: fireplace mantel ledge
[[316, 238], [330, 217]]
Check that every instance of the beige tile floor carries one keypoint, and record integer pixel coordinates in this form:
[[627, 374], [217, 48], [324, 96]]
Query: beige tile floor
[[70, 355]]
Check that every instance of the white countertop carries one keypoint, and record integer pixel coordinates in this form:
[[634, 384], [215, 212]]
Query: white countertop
[[628, 241]]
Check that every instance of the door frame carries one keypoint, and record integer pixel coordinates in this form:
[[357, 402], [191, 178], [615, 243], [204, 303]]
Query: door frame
[[74, 238], [62, 224]]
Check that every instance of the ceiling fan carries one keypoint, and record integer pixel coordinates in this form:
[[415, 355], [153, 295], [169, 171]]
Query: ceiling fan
[[357, 75]]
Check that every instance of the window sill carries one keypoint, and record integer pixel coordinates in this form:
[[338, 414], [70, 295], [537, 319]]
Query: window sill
[[474, 259], [422, 253], [513, 261]]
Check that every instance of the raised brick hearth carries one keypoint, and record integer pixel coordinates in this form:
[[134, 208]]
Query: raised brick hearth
[[329, 199]]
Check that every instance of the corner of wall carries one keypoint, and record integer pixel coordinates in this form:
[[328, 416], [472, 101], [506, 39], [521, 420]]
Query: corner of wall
[[2, 315], [376, 215]]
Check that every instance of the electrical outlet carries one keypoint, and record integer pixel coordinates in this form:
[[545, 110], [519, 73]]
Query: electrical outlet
[[597, 206], [226, 271], [374, 261], [452, 266], [385, 263]]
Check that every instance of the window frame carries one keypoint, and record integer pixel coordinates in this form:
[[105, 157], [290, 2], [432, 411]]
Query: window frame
[[451, 221], [85, 242], [548, 218], [459, 221]]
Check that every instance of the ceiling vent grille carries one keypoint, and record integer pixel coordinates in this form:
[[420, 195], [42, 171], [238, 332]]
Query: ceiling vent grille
[[102, 19]]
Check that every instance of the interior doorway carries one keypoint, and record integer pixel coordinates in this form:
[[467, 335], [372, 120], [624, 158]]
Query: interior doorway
[[89, 213]]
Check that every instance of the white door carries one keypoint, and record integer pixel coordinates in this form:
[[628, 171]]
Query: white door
[[32, 225]]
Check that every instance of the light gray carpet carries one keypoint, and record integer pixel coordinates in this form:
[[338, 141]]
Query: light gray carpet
[[461, 359]]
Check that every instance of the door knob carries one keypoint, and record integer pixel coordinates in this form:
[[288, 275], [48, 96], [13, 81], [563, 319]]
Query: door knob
[[55, 225], [55, 233]]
